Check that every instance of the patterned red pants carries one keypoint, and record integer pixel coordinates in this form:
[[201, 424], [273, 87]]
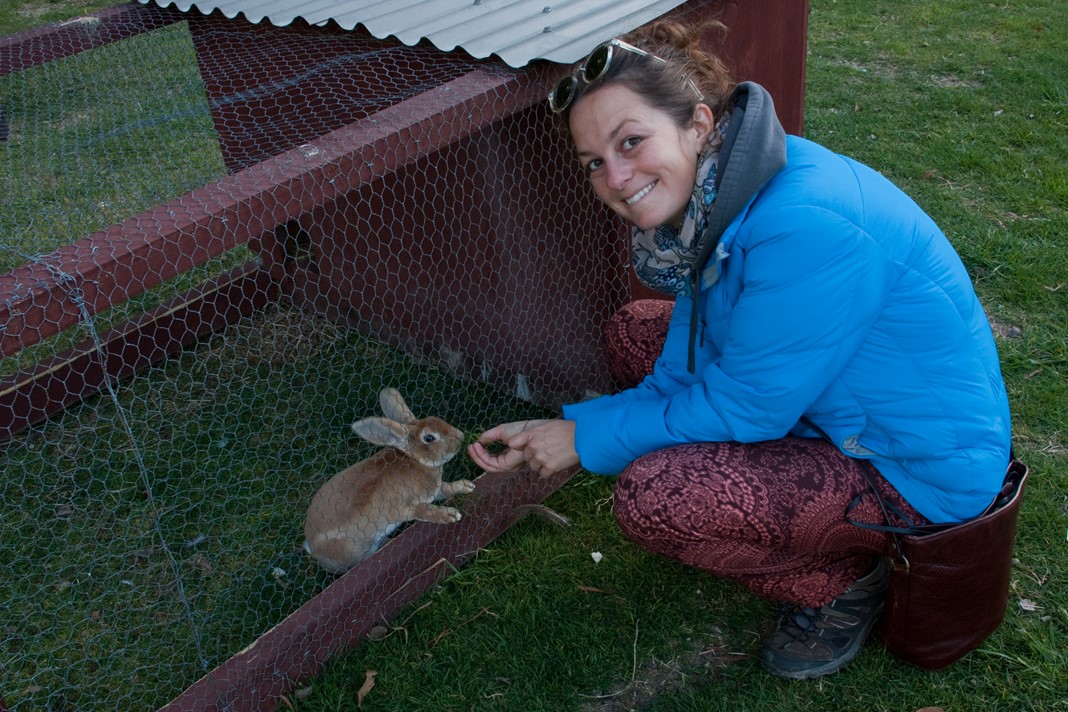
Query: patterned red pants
[[770, 515]]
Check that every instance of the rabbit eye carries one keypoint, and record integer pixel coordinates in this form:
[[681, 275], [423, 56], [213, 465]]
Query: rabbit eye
[[429, 437]]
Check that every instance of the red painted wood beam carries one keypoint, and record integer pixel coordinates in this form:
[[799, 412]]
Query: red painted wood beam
[[39, 299], [767, 42], [51, 386]]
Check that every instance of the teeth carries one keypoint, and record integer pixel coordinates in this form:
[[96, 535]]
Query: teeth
[[640, 194]]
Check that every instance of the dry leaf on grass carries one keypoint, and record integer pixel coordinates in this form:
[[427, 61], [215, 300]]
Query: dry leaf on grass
[[930, 709], [368, 684], [591, 589], [1030, 606]]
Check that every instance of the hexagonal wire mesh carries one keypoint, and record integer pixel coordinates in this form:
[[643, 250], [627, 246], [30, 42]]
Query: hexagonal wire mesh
[[219, 241]]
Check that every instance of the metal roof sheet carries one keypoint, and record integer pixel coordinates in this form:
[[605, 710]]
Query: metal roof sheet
[[517, 31]]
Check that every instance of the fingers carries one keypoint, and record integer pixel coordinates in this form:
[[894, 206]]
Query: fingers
[[545, 446], [496, 434], [510, 459], [506, 431], [549, 462], [506, 461]]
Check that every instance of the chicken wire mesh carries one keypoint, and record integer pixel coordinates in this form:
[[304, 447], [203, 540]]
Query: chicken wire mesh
[[219, 242]]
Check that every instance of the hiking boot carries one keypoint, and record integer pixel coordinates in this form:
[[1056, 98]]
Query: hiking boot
[[811, 642]]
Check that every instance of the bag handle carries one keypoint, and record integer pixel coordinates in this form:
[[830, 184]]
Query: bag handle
[[1013, 480], [909, 527], [1009, 487], [887, 507], [865, 469]]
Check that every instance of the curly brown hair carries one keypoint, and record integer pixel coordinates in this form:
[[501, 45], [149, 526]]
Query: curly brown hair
[[666, 85]]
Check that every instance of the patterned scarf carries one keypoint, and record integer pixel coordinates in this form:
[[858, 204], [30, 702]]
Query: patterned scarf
[[664, 255]]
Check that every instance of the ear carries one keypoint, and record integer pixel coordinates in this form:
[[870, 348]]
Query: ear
[[703, 123], [382, 431], [393, 406]]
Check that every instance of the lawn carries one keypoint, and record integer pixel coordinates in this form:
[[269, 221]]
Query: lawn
[[962, 104]]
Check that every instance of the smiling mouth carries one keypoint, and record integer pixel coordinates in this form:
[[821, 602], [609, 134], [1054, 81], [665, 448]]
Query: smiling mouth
[[640, 194]]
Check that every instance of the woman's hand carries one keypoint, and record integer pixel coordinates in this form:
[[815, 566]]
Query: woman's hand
[[546, 446]]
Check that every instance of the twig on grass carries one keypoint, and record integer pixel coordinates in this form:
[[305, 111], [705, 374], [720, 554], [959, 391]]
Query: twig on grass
[[634, 664]]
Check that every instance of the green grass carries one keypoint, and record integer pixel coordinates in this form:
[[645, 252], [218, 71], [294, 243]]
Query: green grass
[[960, 103], [85, 137], [20, 15]]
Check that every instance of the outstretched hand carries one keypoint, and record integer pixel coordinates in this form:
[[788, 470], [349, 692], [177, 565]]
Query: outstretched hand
[[545, 446]]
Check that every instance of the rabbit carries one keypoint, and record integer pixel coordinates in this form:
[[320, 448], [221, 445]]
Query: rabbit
[[351, 515]]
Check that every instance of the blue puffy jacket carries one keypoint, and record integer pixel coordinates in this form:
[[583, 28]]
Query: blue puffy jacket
[[833, 297]]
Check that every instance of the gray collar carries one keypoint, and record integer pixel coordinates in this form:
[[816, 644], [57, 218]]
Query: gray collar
[[753, 151]]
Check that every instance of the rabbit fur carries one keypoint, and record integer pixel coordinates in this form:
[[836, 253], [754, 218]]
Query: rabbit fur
[[351, 515]]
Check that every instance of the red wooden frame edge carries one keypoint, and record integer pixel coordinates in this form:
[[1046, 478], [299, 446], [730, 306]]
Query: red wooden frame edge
[[33, 395]]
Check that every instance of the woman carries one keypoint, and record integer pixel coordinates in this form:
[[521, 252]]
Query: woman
[[821, 324]]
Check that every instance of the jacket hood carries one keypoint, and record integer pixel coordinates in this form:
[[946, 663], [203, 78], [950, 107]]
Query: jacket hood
[[754, 150]]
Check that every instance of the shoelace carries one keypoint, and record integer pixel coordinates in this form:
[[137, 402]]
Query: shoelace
[[806, 618], [803, 619]]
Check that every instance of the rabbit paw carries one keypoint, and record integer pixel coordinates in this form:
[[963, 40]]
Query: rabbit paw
[[451, 514], [449, 489], [437, 515]]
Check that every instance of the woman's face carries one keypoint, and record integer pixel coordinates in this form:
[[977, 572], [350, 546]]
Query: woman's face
[[640, 163]]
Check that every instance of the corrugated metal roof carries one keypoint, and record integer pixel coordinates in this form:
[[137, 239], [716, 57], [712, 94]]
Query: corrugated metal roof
[[517, 31]]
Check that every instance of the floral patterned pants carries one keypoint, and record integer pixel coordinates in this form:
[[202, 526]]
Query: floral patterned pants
[[769, 515]]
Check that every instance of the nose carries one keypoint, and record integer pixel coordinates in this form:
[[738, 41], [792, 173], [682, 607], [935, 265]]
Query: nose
[[617, 173]]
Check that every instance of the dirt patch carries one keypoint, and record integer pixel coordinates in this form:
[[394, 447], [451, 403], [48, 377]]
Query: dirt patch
[[695, 663], [32, 10], [877, 69], [1004, 329], [282, 336], [951, 82]]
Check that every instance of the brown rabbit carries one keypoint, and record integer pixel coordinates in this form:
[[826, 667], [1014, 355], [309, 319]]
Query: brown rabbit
[[351, 515]]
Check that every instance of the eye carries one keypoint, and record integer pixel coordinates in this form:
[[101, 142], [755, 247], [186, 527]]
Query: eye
[[430, 437], [631, 142], [593, 165]]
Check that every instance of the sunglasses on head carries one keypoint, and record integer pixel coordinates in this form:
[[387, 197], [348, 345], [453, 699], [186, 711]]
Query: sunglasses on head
[[590, 71]]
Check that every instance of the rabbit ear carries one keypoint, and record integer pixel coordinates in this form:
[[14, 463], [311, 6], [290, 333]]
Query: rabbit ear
[[382, 431], [393, 406]]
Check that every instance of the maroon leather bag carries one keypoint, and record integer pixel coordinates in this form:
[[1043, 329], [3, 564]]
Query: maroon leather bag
[[950, 584]]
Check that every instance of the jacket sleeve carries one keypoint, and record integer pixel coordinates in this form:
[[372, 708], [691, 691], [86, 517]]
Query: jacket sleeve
[[812, 286]]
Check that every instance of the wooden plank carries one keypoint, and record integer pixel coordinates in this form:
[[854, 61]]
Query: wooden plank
[[51, 386], [767, 42]]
